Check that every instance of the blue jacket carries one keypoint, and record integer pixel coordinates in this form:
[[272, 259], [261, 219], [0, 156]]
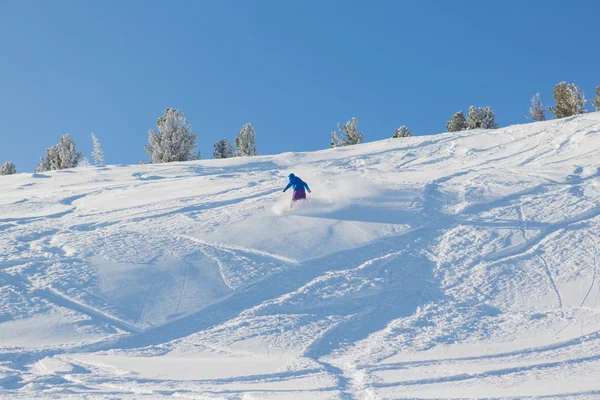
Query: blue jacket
[[296, 184]]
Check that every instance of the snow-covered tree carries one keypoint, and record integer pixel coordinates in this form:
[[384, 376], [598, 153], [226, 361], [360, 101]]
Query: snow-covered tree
[[481, 118], [349, 134], [536, 111], [66, 154], [8, 168], [60, 156], [223, 149], [245, 142], [174, 140], [403, 131], [596, 100], [457, 123], [84, 162], [97, 153], [44, 165], [569, 100]]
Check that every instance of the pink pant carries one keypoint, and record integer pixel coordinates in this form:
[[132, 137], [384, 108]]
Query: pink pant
[[299, 195]]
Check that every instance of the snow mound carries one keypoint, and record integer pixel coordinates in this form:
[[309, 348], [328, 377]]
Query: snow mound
[[460, 265]]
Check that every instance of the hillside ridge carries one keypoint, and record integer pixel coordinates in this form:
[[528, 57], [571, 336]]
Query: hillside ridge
[[459, 265]]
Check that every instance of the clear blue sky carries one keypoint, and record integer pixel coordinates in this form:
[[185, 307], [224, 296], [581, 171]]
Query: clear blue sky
[[291, 68]]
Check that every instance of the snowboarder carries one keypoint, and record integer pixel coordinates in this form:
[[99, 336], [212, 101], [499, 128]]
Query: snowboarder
[[298, 185]]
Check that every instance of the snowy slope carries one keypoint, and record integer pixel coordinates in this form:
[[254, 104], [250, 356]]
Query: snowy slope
[[460, 265]]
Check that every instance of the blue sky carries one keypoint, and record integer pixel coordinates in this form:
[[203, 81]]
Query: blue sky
[[291, 68]]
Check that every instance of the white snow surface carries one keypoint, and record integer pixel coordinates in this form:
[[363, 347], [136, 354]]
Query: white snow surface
[[461, 265]]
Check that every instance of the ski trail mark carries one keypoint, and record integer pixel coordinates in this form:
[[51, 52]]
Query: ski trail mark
[[595, 268], [552, 282], [185, 275], [62, 300], [149, 292], [343, 382], [358, 382], [240, 248], [221, 268], [523, 224], [597, 250]]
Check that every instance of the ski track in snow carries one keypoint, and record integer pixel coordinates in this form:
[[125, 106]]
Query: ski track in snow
[[460, 265]]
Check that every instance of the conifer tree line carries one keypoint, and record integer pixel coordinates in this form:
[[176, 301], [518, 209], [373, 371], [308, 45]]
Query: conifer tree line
[[245, 142], [64, 155], [569, 98], [174, 140], [8, 168], [477, 118]]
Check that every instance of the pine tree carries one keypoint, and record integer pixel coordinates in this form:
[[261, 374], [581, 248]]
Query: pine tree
[[223, 149], [84, 162], [97, 153], [174, 140], [8, 168], [481, 118], [569, 100], [349, 134], [43, 166], [67, 155], [596, 100], [457, 123], [245, 142], [401, 132], [60, 156], [536, 111]]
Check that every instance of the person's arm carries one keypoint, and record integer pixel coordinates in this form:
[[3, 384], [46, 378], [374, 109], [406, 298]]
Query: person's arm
[[287, 187], [307, 188]]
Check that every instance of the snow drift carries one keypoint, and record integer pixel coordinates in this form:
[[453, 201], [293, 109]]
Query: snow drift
[[459, 265]]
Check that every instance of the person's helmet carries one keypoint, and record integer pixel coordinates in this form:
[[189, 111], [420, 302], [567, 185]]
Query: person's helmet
[[291, 176]]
